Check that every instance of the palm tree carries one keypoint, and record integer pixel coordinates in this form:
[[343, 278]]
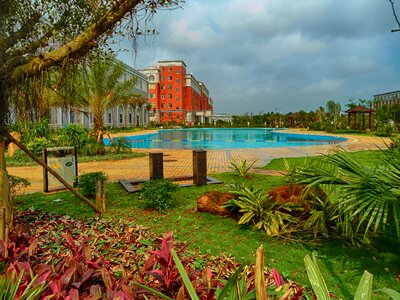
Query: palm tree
[[333, 111], [101, 86]]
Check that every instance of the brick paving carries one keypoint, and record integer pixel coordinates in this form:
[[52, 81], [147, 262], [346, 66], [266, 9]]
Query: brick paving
[[179, 162]]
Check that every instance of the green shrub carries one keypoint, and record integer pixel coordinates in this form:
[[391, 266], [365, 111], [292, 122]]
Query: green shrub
[[119, 145], [87, 182], [383, 134], [72, 135], [92, 148], [159, 194], [258, 209], [37, 145], [36, 130], [241, 168], [76, 135]]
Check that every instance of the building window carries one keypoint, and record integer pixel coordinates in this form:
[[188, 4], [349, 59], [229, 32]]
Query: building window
[[170, 86], [177, 80], [162, 96], [151, 96], [169, 96], [170, 114], [177, 90], [109, 117], [162, 78], [163, 87], [177, 99], [170, 105], [162, 114], [130, 115], [151, 86], [177, 107], [152, 78], [169, 68], [162, 105], [177, 117], [71, 117], [177, 71], [170, 78]]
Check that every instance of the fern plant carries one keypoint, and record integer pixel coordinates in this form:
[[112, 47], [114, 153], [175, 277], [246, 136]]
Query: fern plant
[[258, 209], [241, 167]]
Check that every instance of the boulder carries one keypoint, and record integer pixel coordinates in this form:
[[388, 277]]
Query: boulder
[[294, 194], [212, 202]]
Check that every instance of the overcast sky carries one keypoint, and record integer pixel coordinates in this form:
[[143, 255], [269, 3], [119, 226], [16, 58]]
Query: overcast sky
[[275, 55]]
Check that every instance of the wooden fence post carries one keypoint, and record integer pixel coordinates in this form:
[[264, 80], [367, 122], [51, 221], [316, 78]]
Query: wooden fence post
[[3, 225], [156, 166], [101, 195], [199, 167]]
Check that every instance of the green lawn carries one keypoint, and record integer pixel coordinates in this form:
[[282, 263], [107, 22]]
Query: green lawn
[[369, 157], [342, 264]]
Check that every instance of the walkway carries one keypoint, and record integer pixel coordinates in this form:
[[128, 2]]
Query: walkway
[[179, 162]]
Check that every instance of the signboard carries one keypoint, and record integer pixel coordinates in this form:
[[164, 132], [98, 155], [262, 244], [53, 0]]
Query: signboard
[[65, 166], [63, 160]]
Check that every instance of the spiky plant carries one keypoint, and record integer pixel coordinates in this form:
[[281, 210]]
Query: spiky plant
[[367, 197], [241, 167]]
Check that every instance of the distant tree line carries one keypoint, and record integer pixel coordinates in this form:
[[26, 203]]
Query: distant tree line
[[331, 117]]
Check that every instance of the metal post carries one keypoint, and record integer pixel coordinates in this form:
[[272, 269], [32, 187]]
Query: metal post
[[199, 167], [156, 166]]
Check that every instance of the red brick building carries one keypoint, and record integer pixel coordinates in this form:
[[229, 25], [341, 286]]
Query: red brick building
[[176, 96]]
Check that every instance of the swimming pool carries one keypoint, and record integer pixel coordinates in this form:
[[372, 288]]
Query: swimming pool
[[225, 138]]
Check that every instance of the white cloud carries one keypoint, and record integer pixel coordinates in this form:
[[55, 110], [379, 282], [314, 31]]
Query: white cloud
[[289, 55]]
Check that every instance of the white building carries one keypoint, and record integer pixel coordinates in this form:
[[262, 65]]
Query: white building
[[126, 115]]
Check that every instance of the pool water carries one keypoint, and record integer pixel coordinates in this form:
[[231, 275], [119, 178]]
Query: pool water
[[225, 138]]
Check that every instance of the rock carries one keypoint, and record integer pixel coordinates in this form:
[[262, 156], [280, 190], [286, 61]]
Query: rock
[[212, 202], [294, 194]]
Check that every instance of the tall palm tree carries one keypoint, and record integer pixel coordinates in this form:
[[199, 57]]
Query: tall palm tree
[[102, 84]]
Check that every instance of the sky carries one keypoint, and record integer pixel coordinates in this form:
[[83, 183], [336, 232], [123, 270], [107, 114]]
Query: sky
[[258, 56]]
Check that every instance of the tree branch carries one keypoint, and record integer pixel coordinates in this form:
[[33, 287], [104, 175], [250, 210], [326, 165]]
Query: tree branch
[[395, 16], [83, 42]]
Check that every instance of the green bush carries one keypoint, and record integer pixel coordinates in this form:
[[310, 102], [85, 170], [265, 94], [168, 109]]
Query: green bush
[[36, 130], [257, 208], [159, 194], [87, 182], [72, 135], [76, 135], [119, 145], [37, 145], [383, 134], [241, 168]]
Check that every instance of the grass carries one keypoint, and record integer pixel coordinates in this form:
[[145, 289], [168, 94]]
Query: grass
[[369, 157], [341, 264]]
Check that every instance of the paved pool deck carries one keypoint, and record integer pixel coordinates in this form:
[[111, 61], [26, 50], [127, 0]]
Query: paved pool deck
[[179, 162]]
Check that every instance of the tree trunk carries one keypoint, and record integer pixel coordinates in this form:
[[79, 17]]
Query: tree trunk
[[5, 196], [98, 124], [54, 173]]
